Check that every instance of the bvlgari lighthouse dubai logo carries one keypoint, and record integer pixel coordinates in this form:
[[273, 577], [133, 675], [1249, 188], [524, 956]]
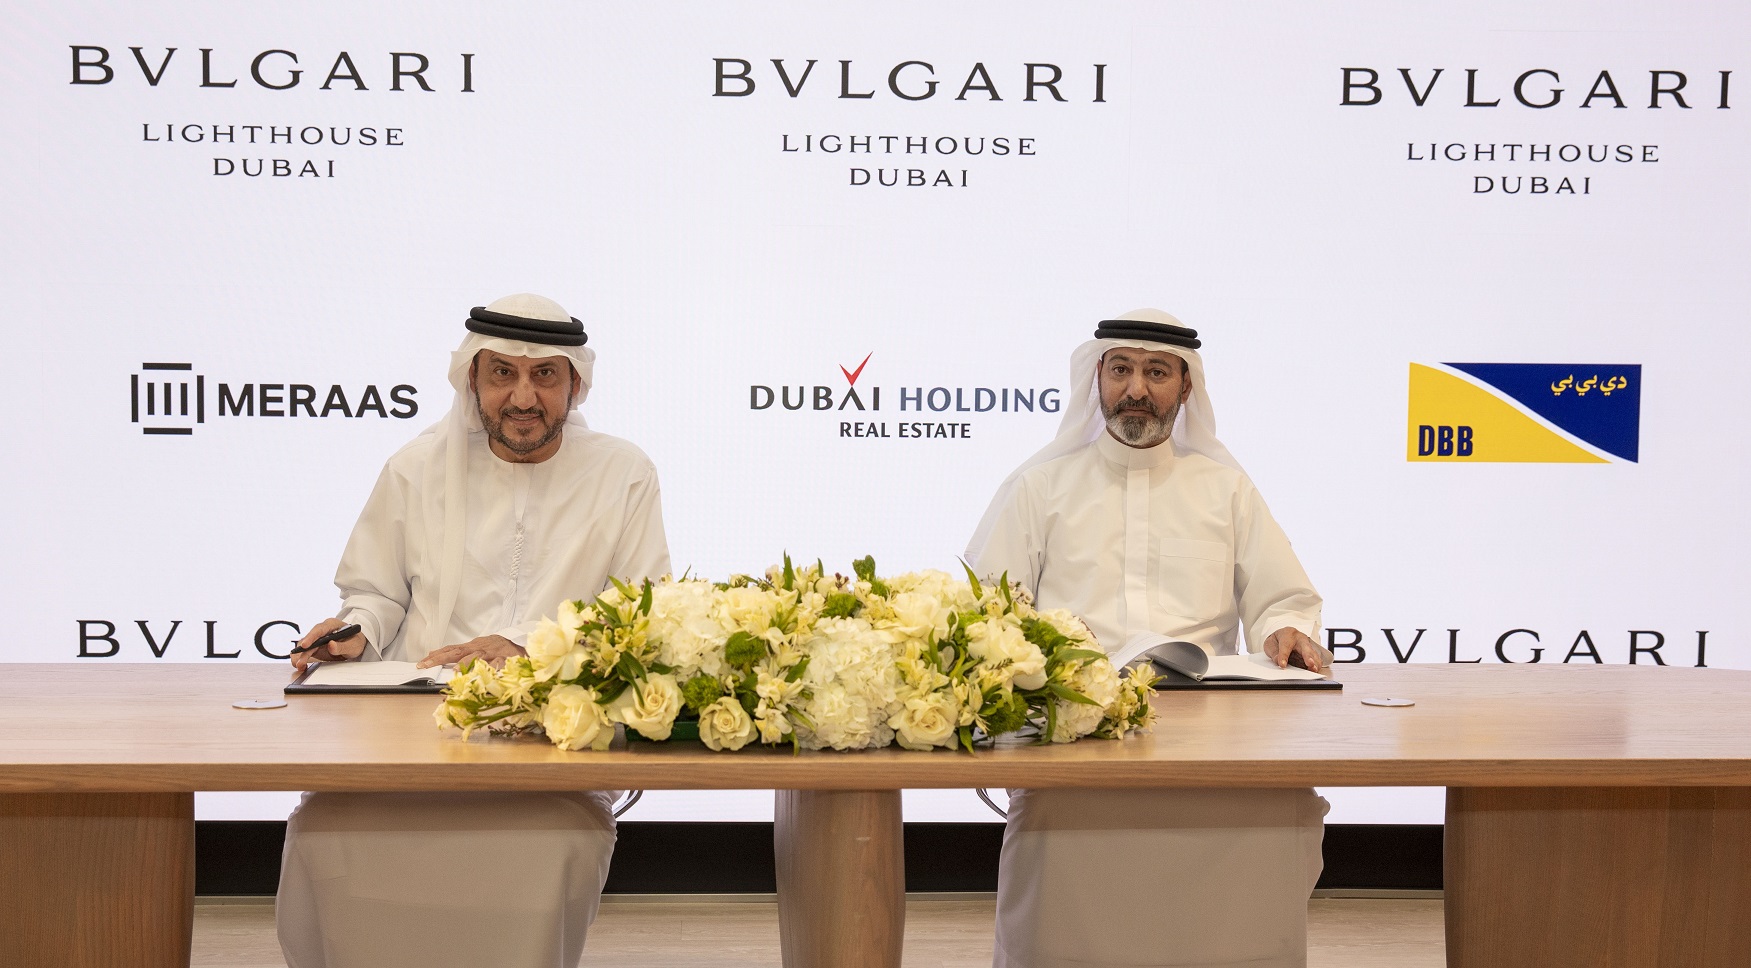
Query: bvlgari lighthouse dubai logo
[[309, 135], [1544, 133], [926, 154], [1552, 413]]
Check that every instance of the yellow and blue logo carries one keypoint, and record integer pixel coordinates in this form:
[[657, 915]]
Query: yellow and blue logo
[[1551, 413]]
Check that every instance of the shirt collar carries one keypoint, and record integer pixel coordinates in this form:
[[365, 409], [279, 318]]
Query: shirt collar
[[1131, 458]]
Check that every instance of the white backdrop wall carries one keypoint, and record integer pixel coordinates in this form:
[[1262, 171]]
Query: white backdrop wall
[[1345, 201]]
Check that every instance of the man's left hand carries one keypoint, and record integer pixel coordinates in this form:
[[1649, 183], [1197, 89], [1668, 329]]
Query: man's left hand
[[493, 649], [1288, 647]]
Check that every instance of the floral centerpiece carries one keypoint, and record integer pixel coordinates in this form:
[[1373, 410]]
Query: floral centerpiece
[[807, 659]]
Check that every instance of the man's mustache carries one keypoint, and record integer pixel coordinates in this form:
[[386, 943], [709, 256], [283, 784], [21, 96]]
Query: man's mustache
[[1137, 403], [522, 412]]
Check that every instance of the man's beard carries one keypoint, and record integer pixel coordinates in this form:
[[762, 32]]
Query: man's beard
[[1139, 430], [495, 428]]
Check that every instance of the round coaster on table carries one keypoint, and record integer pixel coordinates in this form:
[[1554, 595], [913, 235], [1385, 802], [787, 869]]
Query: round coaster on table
[[258, 703], [1389, 702]]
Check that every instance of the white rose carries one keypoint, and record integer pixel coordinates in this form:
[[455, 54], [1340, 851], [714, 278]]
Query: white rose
[[651, 708], [573, 719], [919, 614], [926, 722], [572, 615], [553, 652], [994, 643], [747, 609], [724, 725]]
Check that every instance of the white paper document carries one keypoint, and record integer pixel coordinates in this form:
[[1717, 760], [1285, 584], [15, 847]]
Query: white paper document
[[374, 674], [1253, 665], [1191, 660]]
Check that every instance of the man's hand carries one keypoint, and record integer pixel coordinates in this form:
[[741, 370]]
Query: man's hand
[[1292, 647], [350, 647], [494, 649]]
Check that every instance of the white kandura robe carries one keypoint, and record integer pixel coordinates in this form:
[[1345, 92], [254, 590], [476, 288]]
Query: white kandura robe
[[1175, 543], [538, 534], [505, 879]]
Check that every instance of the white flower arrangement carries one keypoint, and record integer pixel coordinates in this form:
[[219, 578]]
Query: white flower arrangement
[[798, 657]]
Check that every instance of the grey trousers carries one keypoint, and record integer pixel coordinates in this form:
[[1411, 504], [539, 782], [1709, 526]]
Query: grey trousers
[[380, 880], [1158, 878]]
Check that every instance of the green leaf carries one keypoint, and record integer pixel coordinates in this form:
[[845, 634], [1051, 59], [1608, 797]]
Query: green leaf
[[1070, 695], [865, 568], [610, 614], [644, 601], [973, 580], [629, 667], [609, 692], [1065, 657], [789, 574], [1077, 655], [796, 671], [1008, 599]]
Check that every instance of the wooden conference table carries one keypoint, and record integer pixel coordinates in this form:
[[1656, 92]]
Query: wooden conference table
[[1595, 815]]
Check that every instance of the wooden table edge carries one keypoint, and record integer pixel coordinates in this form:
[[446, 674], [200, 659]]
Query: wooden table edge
[[934, 771]]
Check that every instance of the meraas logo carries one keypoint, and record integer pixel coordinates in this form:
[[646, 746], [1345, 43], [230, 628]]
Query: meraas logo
[[1551, 413], [167, 399]]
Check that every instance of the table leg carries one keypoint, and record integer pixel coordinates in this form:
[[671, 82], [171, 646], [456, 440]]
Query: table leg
[[841, 878], [93, 880], [1545, 878]]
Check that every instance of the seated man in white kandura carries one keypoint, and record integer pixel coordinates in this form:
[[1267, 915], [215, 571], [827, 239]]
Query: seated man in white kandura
[[1137, 526], [476, 530]]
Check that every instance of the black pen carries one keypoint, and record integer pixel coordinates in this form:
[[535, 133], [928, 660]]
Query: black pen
[[344, 632]]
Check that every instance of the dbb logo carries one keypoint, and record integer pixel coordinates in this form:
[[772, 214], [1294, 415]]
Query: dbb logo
[[1444, 441]]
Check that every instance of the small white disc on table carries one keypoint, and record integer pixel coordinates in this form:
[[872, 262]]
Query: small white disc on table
[[1389, 702], [259, 703]]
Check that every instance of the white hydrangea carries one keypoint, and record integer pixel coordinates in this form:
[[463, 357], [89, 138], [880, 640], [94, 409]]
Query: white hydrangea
[[853, 686], [691, 638], [1097, 680], [951, 591], [747, 609], [1071, 627]]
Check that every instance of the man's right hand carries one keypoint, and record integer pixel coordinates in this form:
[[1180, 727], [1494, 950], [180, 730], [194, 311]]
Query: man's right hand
[[350, 647]]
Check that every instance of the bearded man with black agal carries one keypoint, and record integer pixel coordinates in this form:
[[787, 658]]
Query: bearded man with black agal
[[475, 531], [1139, 520]]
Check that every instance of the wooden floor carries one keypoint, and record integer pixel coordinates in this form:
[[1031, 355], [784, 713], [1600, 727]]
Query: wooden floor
[[939, 934]]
